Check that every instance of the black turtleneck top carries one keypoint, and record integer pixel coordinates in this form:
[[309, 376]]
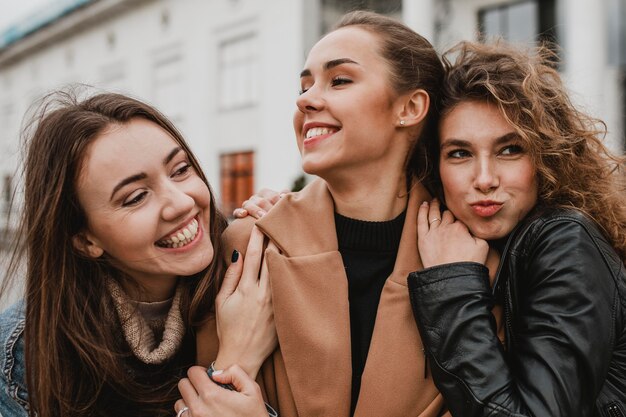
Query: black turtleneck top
[[369, 252]]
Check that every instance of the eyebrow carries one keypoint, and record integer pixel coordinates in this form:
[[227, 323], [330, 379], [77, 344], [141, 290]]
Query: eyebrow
[[464, 143], [330, 65], [171, 155], [142, 175], [128, 180]]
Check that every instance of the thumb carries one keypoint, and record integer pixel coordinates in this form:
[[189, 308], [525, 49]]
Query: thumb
[[232, 276], [238, 378]]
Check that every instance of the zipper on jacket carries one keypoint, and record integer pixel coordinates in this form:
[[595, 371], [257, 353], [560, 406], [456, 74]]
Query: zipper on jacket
[[614, 410], [508, 301]]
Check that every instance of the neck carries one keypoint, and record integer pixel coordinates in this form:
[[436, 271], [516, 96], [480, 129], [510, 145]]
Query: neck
[[375, 196], [150, 290]]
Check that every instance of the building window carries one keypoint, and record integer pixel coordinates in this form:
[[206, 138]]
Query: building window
[[238, 72], [236, 179], [523, 21], [168, 86], [332, 10]]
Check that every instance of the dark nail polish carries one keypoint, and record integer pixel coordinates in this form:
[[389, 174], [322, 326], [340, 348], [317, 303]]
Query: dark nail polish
[[235, 256]]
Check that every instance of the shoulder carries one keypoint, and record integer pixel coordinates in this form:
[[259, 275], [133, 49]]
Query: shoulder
[[12, 370], [236, 236], [12, 321], [565, 235], [564, 224]]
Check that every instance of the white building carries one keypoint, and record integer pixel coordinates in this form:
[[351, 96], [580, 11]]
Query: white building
[[226, 71]]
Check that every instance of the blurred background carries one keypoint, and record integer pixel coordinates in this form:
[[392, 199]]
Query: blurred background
[[227, 71]]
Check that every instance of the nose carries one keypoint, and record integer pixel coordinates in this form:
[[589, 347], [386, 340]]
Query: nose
[[177, 203], [486, 177], [310, 101]]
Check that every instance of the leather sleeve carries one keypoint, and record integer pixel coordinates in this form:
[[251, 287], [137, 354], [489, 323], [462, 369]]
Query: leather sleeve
[[563, 332]]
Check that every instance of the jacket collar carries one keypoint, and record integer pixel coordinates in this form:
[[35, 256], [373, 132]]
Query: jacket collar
[[310, 296], [309, 212]]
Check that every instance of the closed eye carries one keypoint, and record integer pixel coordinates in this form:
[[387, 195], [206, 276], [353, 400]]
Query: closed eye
[[182, 169], [337, 81], [135, 199]]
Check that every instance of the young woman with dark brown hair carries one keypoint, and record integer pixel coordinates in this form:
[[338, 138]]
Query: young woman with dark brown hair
[[120, 238], [523, 171]]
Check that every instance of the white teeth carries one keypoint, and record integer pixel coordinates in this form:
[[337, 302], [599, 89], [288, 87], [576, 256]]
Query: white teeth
[[318, 131], [182, 237]]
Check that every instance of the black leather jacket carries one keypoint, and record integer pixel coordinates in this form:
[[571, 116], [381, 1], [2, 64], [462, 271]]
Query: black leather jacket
[[563, 289]]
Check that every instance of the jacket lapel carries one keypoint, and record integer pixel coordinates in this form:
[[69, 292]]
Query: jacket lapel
[[310, 298], [310, 373], [394, 381]]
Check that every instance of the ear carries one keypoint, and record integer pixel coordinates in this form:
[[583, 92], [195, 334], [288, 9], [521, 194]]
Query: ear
[[86, 245], [413, 108]]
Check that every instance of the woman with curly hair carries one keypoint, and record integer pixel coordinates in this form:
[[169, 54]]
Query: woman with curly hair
[[522, 171]]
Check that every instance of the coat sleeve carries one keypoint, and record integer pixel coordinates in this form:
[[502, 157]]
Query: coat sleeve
[[563, 333]]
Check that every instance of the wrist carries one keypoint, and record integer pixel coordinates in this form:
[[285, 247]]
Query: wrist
[[225, 360]]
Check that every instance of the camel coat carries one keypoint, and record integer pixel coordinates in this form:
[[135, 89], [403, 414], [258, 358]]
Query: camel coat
[[310, 373]]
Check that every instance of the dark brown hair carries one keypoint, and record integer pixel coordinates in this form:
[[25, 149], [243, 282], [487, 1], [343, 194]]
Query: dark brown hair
[[574, 167], [77, 364], [413, 64]]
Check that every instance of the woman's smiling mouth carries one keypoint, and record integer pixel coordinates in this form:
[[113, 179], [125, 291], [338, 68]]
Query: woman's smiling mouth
[[181, 237], [315, 134]]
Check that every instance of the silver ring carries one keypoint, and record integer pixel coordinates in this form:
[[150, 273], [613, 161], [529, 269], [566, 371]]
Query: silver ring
[[433, 221], [182, 411]]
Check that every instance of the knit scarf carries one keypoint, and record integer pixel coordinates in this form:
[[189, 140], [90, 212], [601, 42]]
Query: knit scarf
[[141, 338]]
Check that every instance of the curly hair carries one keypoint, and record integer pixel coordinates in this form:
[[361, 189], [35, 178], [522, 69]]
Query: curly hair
[[574, 168]]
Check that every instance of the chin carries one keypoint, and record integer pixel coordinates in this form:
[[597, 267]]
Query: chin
[[487, 234], [200, 262], [312, 168]]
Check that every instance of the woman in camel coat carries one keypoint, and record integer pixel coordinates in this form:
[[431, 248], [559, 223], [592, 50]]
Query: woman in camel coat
[[340, 251]]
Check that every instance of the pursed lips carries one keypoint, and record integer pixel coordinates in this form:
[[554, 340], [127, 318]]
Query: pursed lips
[[486, 208]]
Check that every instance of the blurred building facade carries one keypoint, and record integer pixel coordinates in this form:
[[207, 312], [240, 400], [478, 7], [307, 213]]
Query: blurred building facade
[[226, 71]]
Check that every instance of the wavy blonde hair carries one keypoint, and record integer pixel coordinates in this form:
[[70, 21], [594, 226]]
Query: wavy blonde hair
[[575, 169]]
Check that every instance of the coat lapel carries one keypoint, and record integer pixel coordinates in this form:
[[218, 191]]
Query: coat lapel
[[393, 381], [310, 298], [309, 375]]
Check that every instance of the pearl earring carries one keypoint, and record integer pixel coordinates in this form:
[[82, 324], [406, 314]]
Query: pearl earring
[[401, 122]]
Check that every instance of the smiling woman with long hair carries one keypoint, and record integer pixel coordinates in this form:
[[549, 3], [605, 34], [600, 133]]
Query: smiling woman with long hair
[[120, 237], [341, 248]]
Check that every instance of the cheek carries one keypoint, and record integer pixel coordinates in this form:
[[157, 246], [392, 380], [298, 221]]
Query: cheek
[[527, 184], [198, 190], [532, 193], [453, 187], [298, 121], [125, 232]]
